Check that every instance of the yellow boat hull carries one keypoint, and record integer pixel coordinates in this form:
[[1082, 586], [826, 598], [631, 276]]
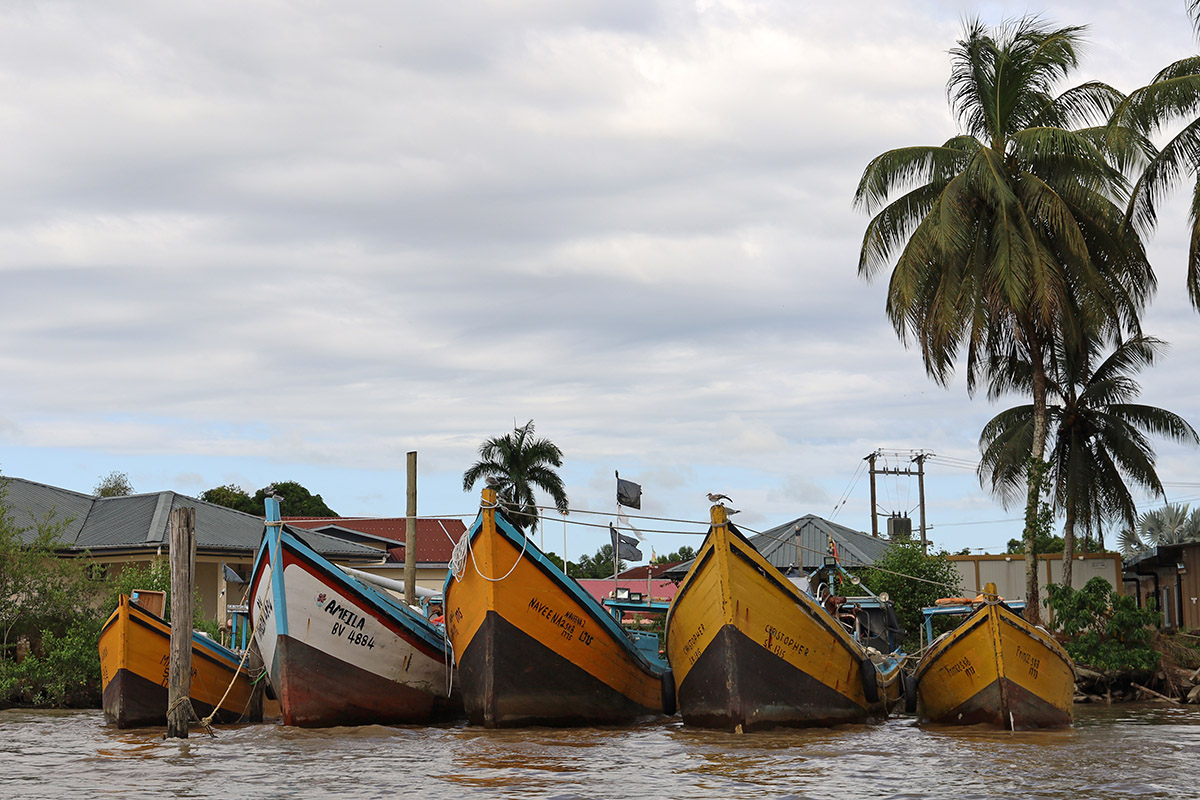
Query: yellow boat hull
[[750, 650], [996, 669], [534, 648], [135, 648]]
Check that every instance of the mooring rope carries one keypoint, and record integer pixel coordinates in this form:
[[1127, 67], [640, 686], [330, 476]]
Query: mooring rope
[[207, 721], [191, 714]]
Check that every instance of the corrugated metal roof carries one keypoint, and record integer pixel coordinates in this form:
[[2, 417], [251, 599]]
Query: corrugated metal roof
[[30, 502], [142, 521], [778, 545], [331, 546]]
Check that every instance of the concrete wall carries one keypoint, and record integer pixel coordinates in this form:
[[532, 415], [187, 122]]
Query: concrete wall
[[1008, 572]]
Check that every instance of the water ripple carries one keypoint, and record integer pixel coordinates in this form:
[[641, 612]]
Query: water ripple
[[1117, 752]]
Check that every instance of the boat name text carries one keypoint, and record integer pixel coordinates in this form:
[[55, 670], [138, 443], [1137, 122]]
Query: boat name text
[[567, 622], [778, 642], [264, 613], [1029, 660], [345, 615], [963, 665]]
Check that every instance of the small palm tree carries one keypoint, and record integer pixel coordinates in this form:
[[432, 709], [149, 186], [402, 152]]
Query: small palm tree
[[1099, 443], [1171, 524], [518, 463]]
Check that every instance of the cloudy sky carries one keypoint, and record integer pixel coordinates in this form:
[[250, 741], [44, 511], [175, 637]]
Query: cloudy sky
[[243, 242]]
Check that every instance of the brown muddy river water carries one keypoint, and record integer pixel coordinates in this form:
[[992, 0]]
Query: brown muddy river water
[[1122, 751]]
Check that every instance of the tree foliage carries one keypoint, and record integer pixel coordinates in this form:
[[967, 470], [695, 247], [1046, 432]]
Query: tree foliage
[[1105, 629], [682, 554], [519, 463], [297, 501], [913, 581], [47, 609], [232, 496], [1099, 443], [1044, 543], [1174, 523], [599, 565], [1011, 235], [114, 484]]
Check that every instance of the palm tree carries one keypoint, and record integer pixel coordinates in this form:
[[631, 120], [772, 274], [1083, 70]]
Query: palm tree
[[519, 463], [1011, 235], [1171, 524], [1099, 444], [1171, 101]]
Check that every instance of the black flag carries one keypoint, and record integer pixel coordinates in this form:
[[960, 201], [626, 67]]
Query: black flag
[[626, 546], [629, 494]]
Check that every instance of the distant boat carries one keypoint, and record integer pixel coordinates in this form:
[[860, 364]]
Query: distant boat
[[994, 668], [338, 650], [533, 648], [135, 647], [750, 649]]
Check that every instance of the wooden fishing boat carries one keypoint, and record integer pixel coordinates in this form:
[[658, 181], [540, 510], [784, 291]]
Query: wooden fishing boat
[[532, 646], [994, 668], [338, 650], [135, 647], [750, 649]]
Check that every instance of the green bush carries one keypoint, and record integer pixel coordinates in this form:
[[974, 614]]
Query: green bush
[[914, 581], [1104, 629], [66, 673]]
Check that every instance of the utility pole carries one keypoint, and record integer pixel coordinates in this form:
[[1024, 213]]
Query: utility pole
[[919, 459], [874, 506], [410, 534]]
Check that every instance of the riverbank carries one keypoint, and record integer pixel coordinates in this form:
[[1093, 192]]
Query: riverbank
[[1176, 679]]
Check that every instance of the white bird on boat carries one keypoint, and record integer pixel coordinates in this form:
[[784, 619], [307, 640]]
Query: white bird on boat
[[713, 497]]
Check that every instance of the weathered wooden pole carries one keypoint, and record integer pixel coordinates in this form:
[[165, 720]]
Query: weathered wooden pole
[[182, 553], [254, 664], [410, 534]]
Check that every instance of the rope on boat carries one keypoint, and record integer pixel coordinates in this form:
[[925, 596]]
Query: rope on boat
[[448, 654], [458, 566], [458, 559], [207, 721]]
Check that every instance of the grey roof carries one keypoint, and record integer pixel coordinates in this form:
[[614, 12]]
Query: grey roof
[[29, 502], [778, 545], [140, 521]]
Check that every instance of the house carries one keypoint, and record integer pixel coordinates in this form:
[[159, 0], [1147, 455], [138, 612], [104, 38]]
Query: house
[[803, 543], [1168, 574], [435, 542], [117, 531], [1008, 573]]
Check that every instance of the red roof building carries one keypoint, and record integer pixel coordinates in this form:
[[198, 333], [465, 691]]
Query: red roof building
[[435, 537]]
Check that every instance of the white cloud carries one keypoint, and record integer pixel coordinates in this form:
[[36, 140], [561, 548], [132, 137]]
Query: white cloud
[[245, 242]]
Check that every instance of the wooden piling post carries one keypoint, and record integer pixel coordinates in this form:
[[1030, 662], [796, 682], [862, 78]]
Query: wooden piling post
[[255, 665], [183, 567], [410, 534]]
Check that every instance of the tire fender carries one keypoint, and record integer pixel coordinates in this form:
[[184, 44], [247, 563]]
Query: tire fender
[[870, 681], [910, 694], [668, 693]]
